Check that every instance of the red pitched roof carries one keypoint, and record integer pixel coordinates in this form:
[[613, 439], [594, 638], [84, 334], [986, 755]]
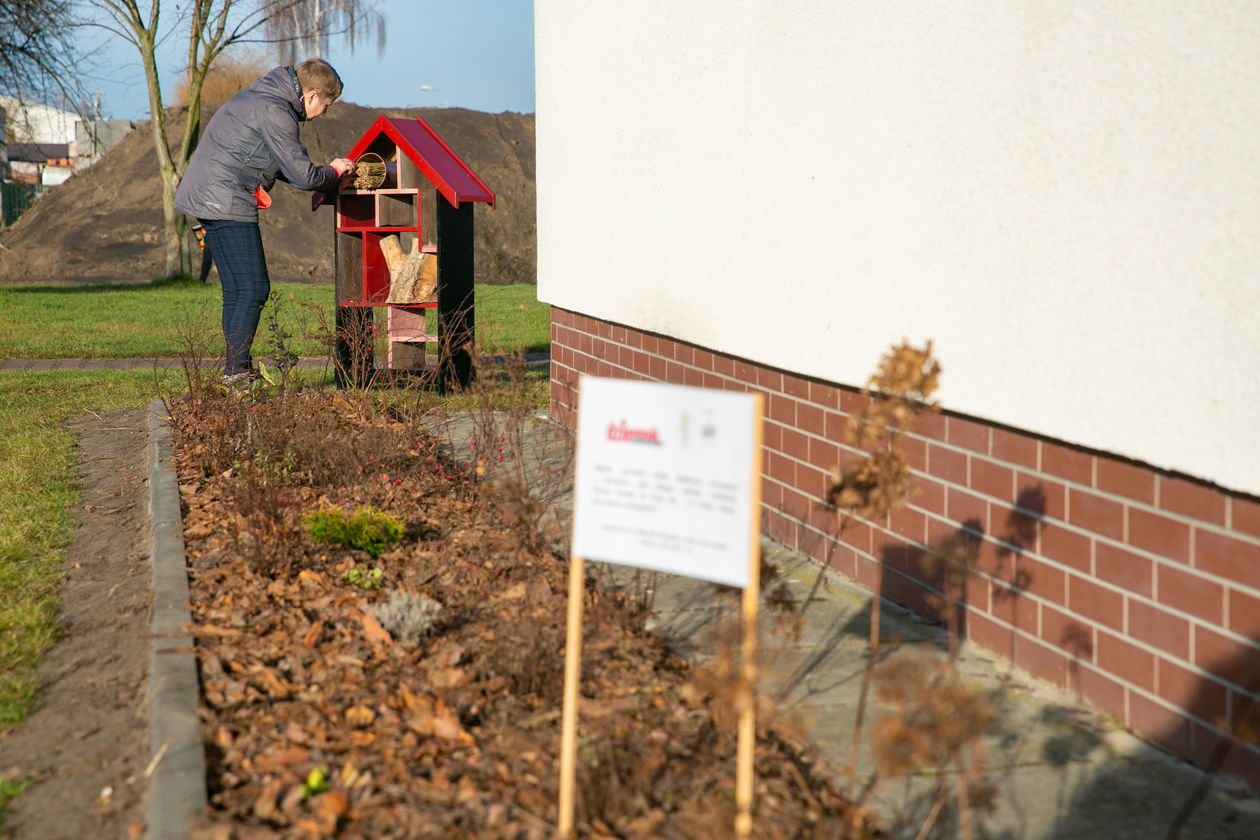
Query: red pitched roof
[[423, 147]]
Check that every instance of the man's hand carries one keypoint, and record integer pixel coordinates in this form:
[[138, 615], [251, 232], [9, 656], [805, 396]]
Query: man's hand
[[342, 166]]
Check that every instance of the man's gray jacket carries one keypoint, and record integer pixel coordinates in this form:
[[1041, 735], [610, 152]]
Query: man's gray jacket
[[251, 141]]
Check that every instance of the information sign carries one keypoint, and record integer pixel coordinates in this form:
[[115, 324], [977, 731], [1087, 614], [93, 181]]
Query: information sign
[[667, 478], [664, 477]]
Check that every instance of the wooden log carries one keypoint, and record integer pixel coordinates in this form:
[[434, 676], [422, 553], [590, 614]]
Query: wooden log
[[392, 250], [416, 281]]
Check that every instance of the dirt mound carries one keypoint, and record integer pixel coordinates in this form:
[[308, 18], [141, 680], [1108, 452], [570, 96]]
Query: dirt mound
[[105, 223]]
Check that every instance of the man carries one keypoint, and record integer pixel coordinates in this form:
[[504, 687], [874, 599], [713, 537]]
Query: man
[[252, 141]]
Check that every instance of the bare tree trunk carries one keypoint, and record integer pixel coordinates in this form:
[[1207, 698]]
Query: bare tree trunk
[[173, 228], [313, 45]]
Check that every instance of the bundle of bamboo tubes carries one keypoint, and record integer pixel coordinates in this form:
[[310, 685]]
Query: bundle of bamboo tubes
[[369, 171]]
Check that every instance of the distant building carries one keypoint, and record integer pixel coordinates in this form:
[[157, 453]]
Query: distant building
[[85, 139], [94, 138], [48, 164], [29, 122], [41, 147]]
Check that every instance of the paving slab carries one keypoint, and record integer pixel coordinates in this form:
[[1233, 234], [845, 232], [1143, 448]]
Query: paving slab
[[1058, 769]]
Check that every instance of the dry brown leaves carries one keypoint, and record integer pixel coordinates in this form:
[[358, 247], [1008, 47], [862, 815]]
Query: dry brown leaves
[[319, 724]]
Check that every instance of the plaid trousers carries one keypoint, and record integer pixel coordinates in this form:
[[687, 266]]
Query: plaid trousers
[[238, 253]]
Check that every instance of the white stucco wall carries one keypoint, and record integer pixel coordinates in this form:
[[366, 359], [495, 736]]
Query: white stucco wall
[[1064, 196]]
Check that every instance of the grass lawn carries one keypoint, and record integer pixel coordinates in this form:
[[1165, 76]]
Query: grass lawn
[[168, 318]]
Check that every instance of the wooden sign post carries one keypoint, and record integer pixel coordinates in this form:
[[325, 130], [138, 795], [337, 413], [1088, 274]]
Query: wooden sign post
[[668, 478], [748, 658], [572, 675]]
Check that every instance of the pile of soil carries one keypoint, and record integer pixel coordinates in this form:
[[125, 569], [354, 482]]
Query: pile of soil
[[337, 704], [104, 224]]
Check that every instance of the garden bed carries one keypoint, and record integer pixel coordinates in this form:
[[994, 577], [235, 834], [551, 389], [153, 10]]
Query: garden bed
[[321, 720]]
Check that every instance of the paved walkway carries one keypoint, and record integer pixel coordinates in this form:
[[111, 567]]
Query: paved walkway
[[41, 365], [86, 364], [150, 364], [1059, 770]]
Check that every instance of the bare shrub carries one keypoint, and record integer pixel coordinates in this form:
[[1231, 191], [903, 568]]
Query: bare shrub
[[505, 429], [224, 426], [195, 344], [264, 533], [530, 656], [229, 75], [937, 721]]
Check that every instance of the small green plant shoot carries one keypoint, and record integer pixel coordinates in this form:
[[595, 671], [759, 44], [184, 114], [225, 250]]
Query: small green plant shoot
[[368, 529], [279, 344], [364, 578], [316, 782]]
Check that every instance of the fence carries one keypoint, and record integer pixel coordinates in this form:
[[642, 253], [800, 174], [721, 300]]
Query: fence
[[15, 198]]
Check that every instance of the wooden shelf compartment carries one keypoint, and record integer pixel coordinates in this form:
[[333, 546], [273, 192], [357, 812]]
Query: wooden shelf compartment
[[375, 271], [408, 174], [406, 326], [362, 275], [396, 209], [388, 152], [349, 268], [355, 210], [378, 210]]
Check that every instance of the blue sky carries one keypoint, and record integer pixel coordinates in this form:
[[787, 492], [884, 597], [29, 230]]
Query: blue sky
[[476, 54]]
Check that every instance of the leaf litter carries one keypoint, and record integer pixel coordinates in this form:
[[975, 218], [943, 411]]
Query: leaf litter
[[320, 722]]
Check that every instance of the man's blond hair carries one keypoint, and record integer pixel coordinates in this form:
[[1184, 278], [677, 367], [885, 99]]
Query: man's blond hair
[[318, 75]]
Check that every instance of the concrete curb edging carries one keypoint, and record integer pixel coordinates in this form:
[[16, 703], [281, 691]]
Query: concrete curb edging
[[177, 757]]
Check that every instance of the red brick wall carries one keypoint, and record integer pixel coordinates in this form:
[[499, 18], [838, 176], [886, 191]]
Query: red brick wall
[[1136, 589]]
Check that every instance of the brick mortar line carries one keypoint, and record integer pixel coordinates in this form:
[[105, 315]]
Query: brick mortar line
[[1126, 635]]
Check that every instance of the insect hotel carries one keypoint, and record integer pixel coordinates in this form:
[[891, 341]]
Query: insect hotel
[[404, 242]]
